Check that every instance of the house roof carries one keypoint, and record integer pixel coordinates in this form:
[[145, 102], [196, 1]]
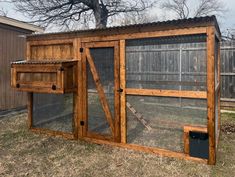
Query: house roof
[[20, 24], [161, 25]]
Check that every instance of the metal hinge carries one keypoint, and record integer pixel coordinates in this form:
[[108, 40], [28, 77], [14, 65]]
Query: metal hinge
[[81, 50], [82, 123]]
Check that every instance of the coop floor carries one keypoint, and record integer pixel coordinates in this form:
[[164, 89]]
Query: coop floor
[[23, 153]]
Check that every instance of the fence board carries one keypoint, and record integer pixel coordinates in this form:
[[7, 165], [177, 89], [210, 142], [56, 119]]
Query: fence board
[[228, 70]]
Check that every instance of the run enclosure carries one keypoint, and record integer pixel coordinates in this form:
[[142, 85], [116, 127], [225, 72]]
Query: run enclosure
[[142, 87]]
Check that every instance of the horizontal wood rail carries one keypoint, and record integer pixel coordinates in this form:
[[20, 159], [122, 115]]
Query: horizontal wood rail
[[167, 93], [99, 136], [152, 150], [51, 42], [162, 33], [69, 136]]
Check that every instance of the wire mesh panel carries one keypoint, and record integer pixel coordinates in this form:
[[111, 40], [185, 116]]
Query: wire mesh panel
[[104, 62], [159, 121], [168, 63], [53, 111], [177, 63]]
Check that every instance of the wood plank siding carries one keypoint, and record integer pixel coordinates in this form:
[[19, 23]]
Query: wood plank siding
[[12, 48]]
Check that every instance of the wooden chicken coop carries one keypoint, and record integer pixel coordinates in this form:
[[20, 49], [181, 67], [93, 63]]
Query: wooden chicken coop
[[149, 87]]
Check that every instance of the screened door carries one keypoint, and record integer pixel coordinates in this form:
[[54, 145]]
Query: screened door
[[102, 90]]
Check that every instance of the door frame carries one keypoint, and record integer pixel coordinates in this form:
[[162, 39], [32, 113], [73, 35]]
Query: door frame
[[116, 135]]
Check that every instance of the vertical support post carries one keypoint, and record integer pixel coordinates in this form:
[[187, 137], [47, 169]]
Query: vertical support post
[[117, 136], [211, 93], [80, 88], [84, 106], [123, 94], [76, 46]]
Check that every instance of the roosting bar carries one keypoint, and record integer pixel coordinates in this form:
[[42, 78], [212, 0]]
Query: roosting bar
[[149, 87]]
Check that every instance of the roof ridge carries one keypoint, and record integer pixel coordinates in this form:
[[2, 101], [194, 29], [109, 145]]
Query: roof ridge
[[177, 22]]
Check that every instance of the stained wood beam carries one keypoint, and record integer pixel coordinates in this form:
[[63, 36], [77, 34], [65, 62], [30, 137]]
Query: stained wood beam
[[211, 93], [123, 86], [52, 42], [167, 93], [69, 136], [164, 33], [117, 129], [152, 150]]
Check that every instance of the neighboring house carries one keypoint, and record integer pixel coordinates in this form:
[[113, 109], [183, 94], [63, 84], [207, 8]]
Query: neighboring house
[[12, 48]]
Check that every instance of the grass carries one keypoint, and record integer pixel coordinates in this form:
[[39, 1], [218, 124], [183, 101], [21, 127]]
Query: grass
[[23, 153]]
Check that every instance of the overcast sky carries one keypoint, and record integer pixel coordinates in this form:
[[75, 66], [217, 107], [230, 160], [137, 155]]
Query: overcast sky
[[226, 22]]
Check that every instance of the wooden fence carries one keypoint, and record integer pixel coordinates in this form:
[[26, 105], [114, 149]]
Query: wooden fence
[[179, 66], [228, 73]]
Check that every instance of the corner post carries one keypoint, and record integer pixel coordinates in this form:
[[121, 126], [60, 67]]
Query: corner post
[[211, 93]]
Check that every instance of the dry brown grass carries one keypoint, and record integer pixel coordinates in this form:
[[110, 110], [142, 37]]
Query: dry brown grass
[[23, 153]]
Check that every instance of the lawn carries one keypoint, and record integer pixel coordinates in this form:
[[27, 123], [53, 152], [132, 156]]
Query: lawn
[[23, 153]]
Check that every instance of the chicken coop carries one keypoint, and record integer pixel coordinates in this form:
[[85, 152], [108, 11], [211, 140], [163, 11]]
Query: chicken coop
[[151, 87]]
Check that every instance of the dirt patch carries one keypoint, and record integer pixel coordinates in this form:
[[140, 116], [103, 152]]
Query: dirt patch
[[228, 128]]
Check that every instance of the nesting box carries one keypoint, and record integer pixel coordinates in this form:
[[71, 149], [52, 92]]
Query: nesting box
[[44, 76]]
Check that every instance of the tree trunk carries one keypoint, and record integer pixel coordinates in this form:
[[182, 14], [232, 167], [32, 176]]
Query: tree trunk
[[101, 15]]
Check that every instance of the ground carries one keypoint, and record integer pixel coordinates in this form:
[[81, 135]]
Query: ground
[[23, 153]]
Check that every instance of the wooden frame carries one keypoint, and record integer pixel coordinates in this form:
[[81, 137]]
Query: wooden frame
[[81, 45], [187, 129], [66, 135], [211, 93], [163, 33], [151, 150], [167, 93], [123, 94], [87, 59]]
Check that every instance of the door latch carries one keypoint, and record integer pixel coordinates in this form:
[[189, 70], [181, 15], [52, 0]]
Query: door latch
[[120, 90]]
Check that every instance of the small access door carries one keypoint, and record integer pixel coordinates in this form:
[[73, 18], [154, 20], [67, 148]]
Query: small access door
[[102, 89]]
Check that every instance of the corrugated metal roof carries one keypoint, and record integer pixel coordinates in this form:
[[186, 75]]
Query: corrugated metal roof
[[197, 21]]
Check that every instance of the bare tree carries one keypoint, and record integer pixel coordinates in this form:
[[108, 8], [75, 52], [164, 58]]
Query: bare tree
[[67, 12], [180, 7], [134, 18], [184, 8], [208, 7], [3, 12]]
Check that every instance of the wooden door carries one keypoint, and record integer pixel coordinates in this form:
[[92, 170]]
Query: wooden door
[[102, 89]]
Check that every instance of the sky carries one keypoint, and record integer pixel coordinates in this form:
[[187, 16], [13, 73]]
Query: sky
[[225, 22]]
